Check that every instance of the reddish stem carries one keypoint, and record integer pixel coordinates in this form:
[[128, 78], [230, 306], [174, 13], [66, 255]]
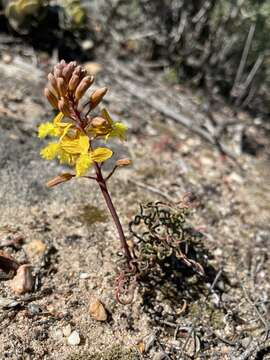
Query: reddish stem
[[103, 187]]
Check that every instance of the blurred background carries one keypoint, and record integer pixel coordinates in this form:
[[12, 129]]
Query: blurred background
[[222, 47]]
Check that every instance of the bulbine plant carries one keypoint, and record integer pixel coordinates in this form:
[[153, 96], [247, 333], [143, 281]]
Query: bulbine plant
[[77, 129]]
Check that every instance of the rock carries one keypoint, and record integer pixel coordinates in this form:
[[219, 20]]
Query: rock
[[84, 276], [149, 342], [23, 282], [5, 302], [74, 338], [36, 248], [34, 309], [245, 342], [97, 310], [66, 330]]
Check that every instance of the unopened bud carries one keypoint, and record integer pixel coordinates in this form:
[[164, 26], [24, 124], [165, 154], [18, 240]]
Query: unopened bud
[[63, 107], [97, 96], [68, 70], [78, 70], [52, 81], [51, 98], [61, 86], [57, 72], [98, 122], [62, 64], [73, 82], [59, 179], [83, 86], [123, 162]]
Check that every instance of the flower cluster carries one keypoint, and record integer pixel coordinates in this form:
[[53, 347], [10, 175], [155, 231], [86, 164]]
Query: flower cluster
[[74, 126]]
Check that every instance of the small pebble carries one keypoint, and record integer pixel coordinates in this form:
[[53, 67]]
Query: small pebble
[[66, 330], [74, 338], [34, 309], [220, 285], [97, 310], [23, 281], [245, 342], [84, 276]]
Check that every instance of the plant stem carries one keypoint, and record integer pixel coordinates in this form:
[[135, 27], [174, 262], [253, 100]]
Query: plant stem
[[103, 187]]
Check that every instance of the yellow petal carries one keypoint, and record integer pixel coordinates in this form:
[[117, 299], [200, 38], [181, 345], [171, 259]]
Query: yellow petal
[[107, 116], [50, 152], [101, 154], [84, 144], [70, 146], [75, 146], [58, 119], [119, 130], [83, 164], [46, 129], [65, 130], [65, 158]]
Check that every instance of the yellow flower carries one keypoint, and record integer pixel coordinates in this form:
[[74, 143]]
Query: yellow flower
[[118, 129], [105, 127], [75, 151], [55, 128], [51, 151], [46, 129], [83, 164], [85, 161], [73, 147]]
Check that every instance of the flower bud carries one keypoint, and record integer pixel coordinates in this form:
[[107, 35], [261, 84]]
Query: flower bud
[[51, 98], [99, 122], [78, 70], [57, 72], [97, 96], [62, 64], [59, 179], [52, 81], [63, 107], [73, 82], [61, 86], [68, 70], [123, 162], [83, 86]]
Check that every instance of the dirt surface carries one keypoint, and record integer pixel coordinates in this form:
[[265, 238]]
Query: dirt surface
[[72, 245]]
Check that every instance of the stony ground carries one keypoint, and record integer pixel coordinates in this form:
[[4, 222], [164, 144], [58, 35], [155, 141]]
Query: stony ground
[[72, 245]]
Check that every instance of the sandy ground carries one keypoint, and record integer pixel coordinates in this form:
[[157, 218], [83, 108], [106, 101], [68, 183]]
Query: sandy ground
[[79, 237]]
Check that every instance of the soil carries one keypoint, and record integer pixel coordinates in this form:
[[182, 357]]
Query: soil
[[220, 318]]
